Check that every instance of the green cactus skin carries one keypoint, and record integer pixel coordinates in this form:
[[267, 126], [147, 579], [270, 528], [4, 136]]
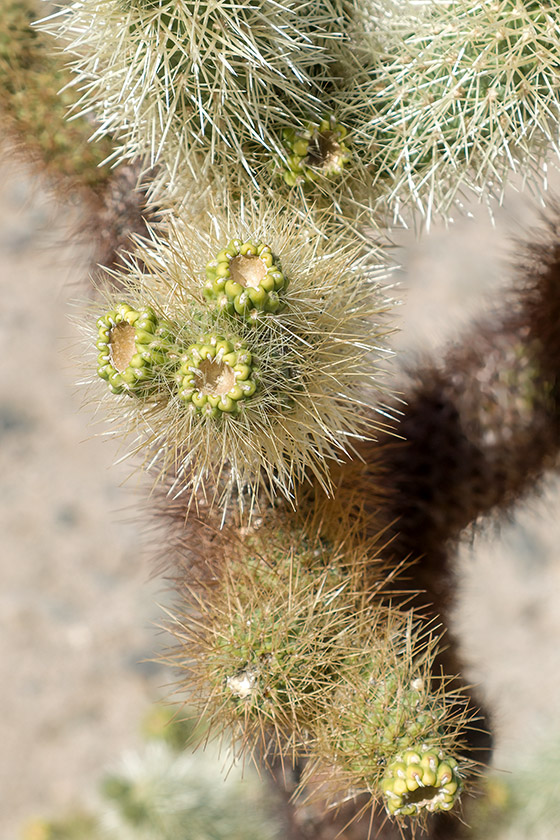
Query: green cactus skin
[[131, 344], [421, 780], [216, 376], [245, 279], [317, 151], [395, 732]]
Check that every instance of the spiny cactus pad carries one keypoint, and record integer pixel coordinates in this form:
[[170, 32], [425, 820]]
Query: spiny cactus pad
[[216, 376], [131, 344], [213, 75], [395, 731], [318, 150], [245, 278], [267, 636], [314, 364]]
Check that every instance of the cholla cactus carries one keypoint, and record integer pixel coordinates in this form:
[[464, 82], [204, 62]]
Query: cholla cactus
[[221, 75], [316, 151], [245, 278], [393, 729], [265, 643], [165, 792], [459, 97], [242, 347], [248, 389], [283, 650], [131, 345], [158, 793]]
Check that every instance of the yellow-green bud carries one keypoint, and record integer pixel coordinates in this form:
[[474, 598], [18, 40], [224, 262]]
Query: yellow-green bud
[[131, 344], [318, 149], [245, 279], [216, 375]]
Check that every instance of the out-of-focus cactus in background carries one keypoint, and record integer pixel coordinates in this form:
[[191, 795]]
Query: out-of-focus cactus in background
[[256, 154], [165, 790]]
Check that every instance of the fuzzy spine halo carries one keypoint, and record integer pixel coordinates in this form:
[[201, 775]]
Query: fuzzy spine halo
[[306, 374], [216, 72], [458, 98]]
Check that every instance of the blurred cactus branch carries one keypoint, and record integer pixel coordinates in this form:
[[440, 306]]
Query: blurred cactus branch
[[36, 101], [36, 112], [479, 428]]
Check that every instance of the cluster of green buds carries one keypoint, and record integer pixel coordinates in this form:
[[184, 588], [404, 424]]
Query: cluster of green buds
[[216, 375], [318, 150], [394, 732], [131, 345], [421, 780], [245, 279]]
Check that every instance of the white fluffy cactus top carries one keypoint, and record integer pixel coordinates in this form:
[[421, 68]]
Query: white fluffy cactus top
[[434, 98], [211, 76], [458, 96], [256, 355]]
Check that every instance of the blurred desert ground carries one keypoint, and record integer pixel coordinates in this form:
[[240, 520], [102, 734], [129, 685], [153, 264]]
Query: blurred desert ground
[[77, 603]]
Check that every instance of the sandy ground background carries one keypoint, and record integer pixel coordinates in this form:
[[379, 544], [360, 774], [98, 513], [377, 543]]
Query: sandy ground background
[[77, 607]]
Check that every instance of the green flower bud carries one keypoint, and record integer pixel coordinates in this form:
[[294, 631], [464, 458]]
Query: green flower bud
[[216, 375], [132, 345], [245, 279], [431, 783], [319, 149]]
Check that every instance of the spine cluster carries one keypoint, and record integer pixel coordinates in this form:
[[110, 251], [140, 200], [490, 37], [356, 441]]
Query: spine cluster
[[255, 366]]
